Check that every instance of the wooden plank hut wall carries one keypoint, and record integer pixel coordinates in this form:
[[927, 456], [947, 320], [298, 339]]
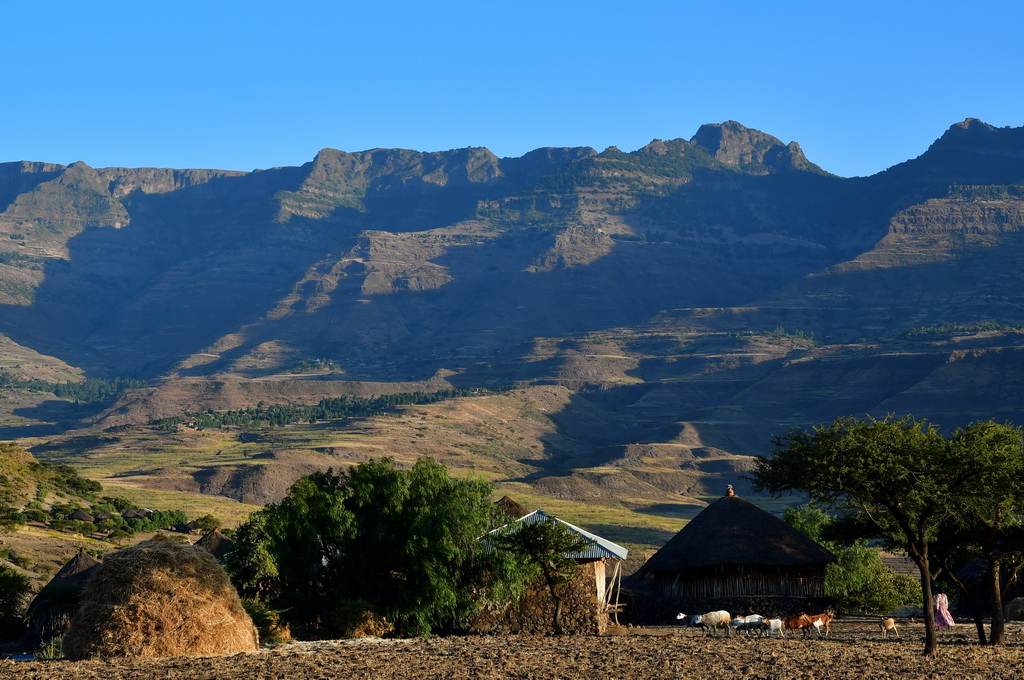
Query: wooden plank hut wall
[[734, 551]]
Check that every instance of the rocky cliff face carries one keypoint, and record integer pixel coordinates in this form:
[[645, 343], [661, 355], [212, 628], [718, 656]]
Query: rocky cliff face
[[695, 296], [751, 150]]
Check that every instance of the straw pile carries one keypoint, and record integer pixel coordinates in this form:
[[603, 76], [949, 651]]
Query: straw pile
[[159, 598]]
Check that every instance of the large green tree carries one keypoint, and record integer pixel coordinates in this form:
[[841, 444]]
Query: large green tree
[[986, 517], [403, 541], [894, 475]]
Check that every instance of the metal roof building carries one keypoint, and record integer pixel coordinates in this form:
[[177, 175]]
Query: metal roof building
[[599, 548]]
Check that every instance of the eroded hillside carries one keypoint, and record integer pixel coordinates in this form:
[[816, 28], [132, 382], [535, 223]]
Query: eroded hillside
[[662, 312]]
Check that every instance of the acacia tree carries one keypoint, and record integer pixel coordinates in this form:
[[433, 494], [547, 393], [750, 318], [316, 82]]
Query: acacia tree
[[548, 545], [894, 475], [987, 515]]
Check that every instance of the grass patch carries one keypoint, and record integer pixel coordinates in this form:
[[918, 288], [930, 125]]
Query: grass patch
[[230, 511]]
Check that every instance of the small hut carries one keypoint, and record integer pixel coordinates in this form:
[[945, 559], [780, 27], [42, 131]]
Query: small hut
[[49, 614], [82, 516], [512, 508], [735, 554], [216, 543], [591, 599]]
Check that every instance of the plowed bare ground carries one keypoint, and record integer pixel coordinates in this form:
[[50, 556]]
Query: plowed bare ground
[[856, 652]]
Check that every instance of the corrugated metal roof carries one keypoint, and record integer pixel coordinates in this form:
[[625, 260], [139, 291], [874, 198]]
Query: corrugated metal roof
[[598, 548]]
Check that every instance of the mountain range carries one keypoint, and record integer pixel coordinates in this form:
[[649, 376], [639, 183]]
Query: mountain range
[[639, 324]]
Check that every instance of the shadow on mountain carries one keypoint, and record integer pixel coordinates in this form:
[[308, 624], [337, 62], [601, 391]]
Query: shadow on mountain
[[51, 417], [37, 430]]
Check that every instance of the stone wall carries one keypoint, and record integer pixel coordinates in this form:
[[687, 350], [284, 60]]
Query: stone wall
[[583, 610]]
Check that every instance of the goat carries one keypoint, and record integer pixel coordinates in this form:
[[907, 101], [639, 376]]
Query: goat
[[748, 623], [886, 625], [821, 623], [712, 621], [775, 625], [688, 620], [798, 622]]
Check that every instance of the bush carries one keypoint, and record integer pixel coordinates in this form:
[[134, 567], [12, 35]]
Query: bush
[[208, 523], [14, 592], [357, 619], [267, 621], [405, 542], [859, 580]]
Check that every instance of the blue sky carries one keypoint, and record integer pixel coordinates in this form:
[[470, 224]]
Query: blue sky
[[243, 85]]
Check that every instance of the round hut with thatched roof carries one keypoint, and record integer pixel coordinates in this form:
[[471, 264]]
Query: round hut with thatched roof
[[49, 614], [736, 554], [216, 543]]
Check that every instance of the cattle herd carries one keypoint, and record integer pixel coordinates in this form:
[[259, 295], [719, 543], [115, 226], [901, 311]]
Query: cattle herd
[[712, 622]]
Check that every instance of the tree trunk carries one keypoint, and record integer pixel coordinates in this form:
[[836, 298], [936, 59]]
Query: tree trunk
[[997, 634], [549, 578], [931, 643], [558, 613], [971, 600]]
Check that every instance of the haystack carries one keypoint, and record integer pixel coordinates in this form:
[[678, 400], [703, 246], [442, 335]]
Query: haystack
[[159, 598]]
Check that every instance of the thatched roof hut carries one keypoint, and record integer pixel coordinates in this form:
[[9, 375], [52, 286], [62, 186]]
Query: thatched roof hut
[[1014, 610], [81, 516], [162, 597], [510, 507], [215, 543], [734, 550], [49, 614]]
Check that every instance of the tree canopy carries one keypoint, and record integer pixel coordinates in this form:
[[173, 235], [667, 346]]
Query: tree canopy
[[901, 480], [403, 542]]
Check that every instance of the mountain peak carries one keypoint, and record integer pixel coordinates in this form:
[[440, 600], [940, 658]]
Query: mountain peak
[[752, 150], [977, 137]]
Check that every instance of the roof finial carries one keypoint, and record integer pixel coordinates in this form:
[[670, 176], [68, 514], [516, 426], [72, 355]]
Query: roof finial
[[729, 491]]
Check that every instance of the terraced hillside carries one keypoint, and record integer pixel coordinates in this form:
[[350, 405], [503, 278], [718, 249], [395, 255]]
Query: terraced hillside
[[660, 313]]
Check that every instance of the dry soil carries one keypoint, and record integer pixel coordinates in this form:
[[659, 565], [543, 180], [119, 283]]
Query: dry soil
[[855, 652]]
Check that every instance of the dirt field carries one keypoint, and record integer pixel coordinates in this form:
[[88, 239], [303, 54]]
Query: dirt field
[[856, 652]]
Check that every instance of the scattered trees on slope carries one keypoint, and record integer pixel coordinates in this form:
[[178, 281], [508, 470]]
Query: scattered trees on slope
[[334, 408]]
